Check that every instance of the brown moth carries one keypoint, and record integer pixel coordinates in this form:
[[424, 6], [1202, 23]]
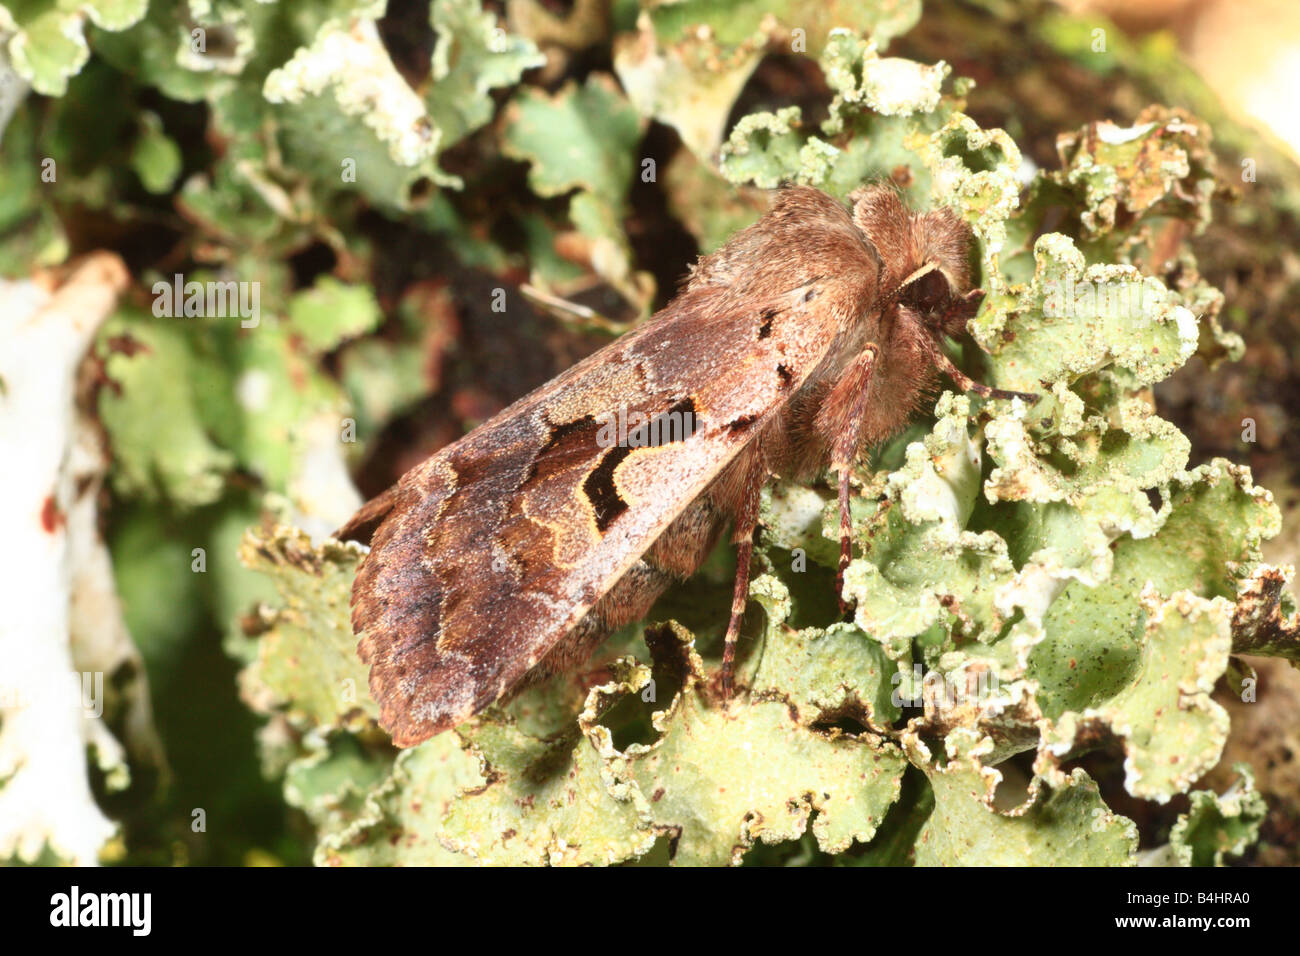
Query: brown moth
[[513, 553]]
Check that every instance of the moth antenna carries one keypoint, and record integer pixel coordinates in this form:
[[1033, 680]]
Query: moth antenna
[[923, 271], [896, 293], [968, 384], [571, 312]]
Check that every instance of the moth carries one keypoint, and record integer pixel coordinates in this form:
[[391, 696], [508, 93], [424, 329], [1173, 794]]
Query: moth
[[511, 554]]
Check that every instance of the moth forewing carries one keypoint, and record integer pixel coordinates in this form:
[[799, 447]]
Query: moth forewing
[[511, 554]]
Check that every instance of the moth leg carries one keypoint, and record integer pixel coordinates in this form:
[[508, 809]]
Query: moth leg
[[846, 538], [743, 488], [851, 393], [746, 522], [954, 320], [968, 384]]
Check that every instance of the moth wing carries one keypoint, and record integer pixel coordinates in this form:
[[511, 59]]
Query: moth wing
[[493, 549], [361, 526]]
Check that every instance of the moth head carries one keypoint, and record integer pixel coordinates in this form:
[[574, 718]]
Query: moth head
[[925, 276], [937, 287], [925, 258], [928, 295]]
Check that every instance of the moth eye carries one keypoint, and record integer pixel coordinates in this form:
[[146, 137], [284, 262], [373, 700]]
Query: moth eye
[[928, 293]]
